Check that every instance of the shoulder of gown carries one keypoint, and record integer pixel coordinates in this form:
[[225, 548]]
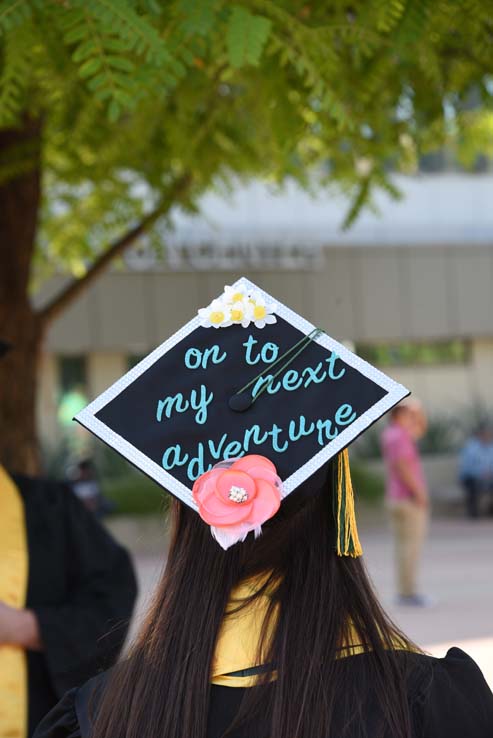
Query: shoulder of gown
[[70, 718], [84, 604], [450, 697]]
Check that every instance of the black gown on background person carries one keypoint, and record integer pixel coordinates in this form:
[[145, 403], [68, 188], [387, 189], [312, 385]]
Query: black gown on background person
[[81, 587], [449, 698]]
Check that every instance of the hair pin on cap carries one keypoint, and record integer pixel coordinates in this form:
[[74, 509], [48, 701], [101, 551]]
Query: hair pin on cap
[[242, 399]]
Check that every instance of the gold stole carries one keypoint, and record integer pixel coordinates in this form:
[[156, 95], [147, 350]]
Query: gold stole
[[238, 639], [14, 568], [237, 643]]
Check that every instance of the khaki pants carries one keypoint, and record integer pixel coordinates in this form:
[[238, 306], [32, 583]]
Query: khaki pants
[[409, 524]]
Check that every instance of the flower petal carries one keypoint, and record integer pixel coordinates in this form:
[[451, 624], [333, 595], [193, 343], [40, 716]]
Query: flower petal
[[266, 503], [205, 484], [263, 472], [248, 462], [235, 478], [215, 512]]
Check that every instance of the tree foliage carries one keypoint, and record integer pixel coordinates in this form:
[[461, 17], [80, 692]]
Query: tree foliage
[[136, 94]]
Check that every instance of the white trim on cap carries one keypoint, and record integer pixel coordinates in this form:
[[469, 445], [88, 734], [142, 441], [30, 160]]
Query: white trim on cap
[[395, 393]]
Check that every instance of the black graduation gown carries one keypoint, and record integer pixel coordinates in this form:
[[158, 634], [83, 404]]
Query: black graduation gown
[[449, 698], [82, 588]]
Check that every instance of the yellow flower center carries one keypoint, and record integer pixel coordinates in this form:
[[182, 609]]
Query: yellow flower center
[[259, 312], [237, 314], [216, 317]]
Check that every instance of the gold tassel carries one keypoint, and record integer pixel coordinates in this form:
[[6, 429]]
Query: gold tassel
[[348, 543]]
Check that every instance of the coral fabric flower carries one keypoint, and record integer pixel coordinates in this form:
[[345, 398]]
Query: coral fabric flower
[[236, 497]]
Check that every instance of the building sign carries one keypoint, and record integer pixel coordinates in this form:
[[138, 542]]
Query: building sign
[[210, 256]]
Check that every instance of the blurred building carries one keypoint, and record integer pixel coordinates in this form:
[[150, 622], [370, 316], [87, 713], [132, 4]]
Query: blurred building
[[411, 287]]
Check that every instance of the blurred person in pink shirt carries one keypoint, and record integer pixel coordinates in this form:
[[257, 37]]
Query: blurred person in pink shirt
[[406, 495]]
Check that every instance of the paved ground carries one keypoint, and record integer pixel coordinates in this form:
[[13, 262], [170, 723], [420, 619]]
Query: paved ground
[[457, 572]]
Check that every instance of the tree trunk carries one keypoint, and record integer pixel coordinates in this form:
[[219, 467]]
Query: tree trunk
[[19, 448], [19, 324]]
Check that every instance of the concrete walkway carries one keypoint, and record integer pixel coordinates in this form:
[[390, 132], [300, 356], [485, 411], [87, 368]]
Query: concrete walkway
[[457, 572]]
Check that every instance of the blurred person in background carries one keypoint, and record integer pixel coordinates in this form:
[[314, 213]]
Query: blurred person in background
[[406, 495], [67, 592], [476, 469], [85, 485]]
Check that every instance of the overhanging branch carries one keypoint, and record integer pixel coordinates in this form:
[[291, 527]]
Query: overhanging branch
[[59, 303]]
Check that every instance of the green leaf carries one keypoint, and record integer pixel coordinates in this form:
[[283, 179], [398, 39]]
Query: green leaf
[[113, 43], [246, 37], [75, 34], [128, 25], [90, 67], [114, 110], [13, 13], [198, 16], [83, 51], [14, 77], [103, 93], [120, 62], [98, 81]]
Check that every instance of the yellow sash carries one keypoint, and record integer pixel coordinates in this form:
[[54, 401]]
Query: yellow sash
[[238, 639], [14, 563], [237, 643]]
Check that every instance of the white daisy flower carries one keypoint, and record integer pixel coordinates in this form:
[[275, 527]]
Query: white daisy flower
[[241, 313], [232, 295], [262, 312], [216, 315]]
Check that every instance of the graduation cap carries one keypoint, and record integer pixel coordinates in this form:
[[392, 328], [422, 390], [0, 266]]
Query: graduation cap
[[240, 407]]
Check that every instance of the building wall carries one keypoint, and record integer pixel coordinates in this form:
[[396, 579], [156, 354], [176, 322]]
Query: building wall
[[361, 294], [47, 399]]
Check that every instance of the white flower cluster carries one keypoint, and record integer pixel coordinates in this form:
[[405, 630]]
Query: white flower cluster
[[237, 306]]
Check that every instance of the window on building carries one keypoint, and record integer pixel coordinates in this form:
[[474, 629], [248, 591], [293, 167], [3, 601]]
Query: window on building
[[433, 162], [72, 387], [424, 353]]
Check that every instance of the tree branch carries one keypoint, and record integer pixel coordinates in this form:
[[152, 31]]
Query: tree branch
[[68, 295]]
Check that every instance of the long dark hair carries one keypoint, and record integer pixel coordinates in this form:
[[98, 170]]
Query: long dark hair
[[162, 689]]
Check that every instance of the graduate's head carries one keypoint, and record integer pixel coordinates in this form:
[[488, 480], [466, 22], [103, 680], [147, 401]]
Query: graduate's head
[[484, 432], [303, 516], [410, 414], [245, 415], [319, 601]]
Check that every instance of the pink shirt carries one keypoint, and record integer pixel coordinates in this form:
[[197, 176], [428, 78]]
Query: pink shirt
[[397, 443]]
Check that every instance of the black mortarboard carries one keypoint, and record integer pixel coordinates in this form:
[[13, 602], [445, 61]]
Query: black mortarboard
[[245, 376]]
